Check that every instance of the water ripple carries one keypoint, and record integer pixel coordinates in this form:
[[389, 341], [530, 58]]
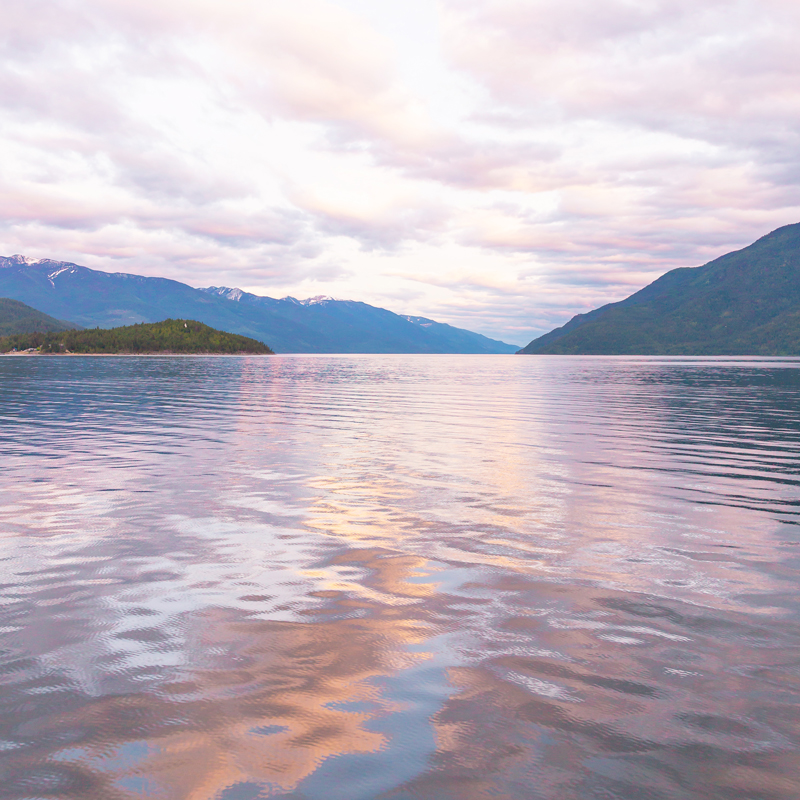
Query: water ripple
[[399, 577]]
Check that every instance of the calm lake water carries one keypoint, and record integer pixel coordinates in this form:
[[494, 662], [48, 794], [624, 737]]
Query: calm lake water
[[428, 577]]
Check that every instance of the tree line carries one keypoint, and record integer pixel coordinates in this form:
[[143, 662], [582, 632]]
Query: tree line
[[169, 336]]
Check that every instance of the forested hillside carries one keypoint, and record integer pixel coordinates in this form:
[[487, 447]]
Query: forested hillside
[[743, 303], [17, 317], [169, 336]]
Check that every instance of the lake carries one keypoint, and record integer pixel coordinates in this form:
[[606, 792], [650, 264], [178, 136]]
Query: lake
[[399, 577]]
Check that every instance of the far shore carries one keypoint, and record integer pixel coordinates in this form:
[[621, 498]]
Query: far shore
[[115, 355]]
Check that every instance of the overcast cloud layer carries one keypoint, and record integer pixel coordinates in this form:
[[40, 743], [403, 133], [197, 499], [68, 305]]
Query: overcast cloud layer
[[497, 164]]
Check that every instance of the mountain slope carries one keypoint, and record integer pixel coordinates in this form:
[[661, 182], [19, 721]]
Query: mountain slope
[[470, 341], [92, 298], [16, 317], [743, 303]]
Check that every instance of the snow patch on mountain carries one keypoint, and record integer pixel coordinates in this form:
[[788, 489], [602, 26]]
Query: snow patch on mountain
[[17, 259], [224, 291], [58, 272], [238, 294]]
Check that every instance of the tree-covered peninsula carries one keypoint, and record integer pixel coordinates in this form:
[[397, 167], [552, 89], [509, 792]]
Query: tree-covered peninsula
[[170, 336]]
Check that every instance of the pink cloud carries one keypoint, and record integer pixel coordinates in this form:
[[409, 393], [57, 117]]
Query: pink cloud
[[691, 67]]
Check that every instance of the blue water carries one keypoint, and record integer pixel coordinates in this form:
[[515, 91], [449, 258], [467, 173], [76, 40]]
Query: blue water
[[436, 577]]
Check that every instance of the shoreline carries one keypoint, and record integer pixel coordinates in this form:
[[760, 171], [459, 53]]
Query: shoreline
[[25, 354]]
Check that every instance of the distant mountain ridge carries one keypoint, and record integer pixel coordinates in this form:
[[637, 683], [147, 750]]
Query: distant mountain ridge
[[353, 321], [744, 303], [92, 298]]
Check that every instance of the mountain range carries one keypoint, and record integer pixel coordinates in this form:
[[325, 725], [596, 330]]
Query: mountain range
[[92, 298], [744, 303]]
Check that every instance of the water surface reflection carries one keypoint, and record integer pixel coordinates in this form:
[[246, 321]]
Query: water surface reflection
[[399, 577]]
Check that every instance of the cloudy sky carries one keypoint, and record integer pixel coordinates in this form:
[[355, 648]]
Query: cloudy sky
[[497, 164]]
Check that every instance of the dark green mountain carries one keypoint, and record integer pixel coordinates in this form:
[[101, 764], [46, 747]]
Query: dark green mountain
[[169, 336], [16, 317], [320, 325], [743, 303]]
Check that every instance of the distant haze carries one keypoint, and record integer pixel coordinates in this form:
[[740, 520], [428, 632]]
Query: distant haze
[[499, 165]]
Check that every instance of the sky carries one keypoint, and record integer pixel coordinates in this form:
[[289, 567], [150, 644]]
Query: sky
[[500, 165]]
